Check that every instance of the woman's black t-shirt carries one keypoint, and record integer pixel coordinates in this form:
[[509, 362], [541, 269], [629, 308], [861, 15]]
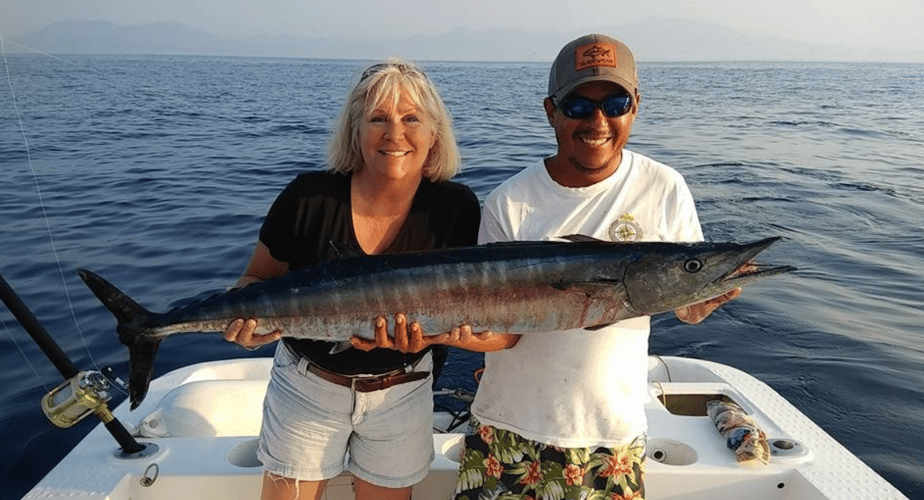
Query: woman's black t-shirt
[[313, 211]]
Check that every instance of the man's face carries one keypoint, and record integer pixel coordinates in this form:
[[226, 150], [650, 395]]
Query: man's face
[[589, 149]]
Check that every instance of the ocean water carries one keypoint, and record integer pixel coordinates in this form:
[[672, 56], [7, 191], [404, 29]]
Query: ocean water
[[156, 172]]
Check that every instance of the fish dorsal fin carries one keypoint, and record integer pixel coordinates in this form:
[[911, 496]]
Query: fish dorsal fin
[[500, 244], [579, 238]]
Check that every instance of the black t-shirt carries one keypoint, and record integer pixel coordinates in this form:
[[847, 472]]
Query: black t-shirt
[[313, 211]]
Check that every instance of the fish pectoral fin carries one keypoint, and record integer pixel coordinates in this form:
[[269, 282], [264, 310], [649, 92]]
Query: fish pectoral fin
[[340, 347], [343, 251]]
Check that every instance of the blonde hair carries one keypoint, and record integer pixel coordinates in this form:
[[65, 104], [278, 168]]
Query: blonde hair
[[378, 84]]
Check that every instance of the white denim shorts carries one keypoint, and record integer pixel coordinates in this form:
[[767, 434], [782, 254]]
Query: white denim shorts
[[312, 428]]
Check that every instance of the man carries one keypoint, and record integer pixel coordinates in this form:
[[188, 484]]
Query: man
[[562, 414]]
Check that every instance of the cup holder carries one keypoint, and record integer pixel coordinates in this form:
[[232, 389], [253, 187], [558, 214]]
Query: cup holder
[[245, 454], [787, 448], [452, 449], [670, 452]]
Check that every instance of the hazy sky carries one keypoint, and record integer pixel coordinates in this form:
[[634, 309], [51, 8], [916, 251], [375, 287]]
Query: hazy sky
[[889, 24]]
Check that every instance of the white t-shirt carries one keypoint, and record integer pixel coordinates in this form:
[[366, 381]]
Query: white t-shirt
[[580, 388]]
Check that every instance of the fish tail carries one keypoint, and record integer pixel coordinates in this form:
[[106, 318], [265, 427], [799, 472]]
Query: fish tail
[[134, 327]]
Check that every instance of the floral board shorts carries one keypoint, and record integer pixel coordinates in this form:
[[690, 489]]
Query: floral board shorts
[[501, 465]]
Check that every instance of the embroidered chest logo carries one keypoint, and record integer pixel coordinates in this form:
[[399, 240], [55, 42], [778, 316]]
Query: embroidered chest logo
[[625, 229]]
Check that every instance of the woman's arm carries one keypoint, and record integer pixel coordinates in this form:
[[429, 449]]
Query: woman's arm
[[262, 266]]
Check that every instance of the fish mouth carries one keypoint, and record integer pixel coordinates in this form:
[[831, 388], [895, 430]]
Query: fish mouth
[[753, 271], [750, 271]]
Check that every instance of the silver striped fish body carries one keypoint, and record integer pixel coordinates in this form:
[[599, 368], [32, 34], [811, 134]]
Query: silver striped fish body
[[505, 288], [509, 287]]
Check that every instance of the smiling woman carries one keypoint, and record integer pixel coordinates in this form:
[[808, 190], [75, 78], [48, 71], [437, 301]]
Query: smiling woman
[[383, 89], [386, 191], [395, 141]]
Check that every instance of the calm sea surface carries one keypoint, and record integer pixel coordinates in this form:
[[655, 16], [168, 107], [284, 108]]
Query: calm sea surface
[[157, 171]]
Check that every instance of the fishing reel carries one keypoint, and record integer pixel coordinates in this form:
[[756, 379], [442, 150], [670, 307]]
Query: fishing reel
[[75, 399]]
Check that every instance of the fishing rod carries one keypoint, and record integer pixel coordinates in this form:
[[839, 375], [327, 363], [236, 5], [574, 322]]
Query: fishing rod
[[82, 393]]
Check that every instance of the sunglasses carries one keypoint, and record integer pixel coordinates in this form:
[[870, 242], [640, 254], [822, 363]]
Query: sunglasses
[[402, 68], [579, 108]]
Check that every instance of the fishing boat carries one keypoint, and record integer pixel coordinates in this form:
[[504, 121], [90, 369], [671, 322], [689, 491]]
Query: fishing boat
[[715, 432], [198, 432]]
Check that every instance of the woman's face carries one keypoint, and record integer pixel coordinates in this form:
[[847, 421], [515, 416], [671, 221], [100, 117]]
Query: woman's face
[[396, 139]]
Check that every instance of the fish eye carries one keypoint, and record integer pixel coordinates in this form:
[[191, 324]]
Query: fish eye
[[693, 266]]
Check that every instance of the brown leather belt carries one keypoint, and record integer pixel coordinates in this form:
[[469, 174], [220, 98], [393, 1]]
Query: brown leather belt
[[367, 383]]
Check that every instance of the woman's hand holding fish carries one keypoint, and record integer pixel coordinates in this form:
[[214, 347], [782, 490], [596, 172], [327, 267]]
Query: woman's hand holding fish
[[410, 338], [242, 333]]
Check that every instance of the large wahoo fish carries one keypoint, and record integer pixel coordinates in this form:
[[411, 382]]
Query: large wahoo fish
[[505, 287]]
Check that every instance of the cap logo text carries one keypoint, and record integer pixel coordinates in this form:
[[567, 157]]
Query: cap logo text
[[595, 55]]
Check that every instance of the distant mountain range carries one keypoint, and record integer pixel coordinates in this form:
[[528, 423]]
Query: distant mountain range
[[651, 39]]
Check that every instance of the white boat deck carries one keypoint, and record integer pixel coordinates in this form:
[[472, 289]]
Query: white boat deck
[[204, 420]]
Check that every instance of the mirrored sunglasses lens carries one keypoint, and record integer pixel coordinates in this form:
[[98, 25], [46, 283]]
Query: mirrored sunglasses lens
[[616, 105], [581, 107], [578, 108]]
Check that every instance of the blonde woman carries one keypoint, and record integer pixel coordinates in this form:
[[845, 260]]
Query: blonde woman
[[387, 190]]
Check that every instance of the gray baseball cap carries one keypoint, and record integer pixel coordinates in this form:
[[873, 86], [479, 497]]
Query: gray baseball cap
[[591, 58]]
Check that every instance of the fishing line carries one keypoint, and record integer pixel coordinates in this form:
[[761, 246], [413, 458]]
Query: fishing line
[[125, 83], [23, 354], [38, 190]]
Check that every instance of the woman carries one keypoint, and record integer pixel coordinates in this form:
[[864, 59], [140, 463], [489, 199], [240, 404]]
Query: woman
[[386, 191]]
